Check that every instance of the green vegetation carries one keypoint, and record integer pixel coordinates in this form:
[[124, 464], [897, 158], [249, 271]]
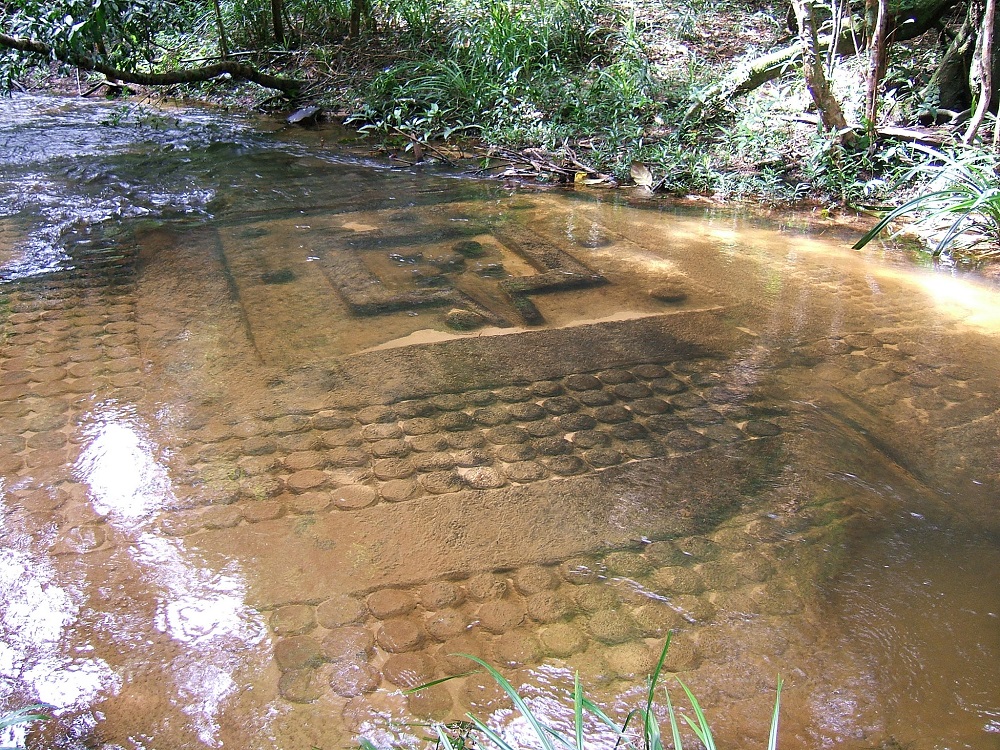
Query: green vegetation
[[647, 736], [777, 101], [963, 205], [22, 716]]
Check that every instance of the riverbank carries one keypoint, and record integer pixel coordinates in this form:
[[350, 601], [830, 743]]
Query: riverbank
[[599, 95]]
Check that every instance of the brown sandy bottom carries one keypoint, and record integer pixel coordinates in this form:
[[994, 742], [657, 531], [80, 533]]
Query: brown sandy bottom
[[259, 478]]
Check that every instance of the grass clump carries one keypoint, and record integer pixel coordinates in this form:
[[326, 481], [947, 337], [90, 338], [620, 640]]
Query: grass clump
[[645, 734], [958, 207], [516, 74]]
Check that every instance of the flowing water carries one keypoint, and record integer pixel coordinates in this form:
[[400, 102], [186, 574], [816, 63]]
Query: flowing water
[[282, 431]]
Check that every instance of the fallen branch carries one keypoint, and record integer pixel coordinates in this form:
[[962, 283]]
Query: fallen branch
[[239, 71], [926, 137]]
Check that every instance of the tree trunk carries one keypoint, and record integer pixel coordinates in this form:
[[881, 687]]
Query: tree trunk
[[223, 44], [358, 9], [279, 27], [983, 65], [903, 23], [948, 87], [830, 113], [878, 18]]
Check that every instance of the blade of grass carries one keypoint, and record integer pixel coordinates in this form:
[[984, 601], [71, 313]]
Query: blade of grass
[[674, 728], [34, 712], [492, 736], [578, 710], [897, 212], [518, 701], [653, 678], [772, 740], [651, 732], [432, 683], [609, 722], [443, 738], [701, 729]]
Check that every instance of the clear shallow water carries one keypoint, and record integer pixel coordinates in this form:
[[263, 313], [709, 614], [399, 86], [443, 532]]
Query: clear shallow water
[[255, 481]]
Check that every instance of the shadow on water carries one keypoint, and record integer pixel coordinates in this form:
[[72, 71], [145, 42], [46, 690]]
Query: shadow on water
[[281, 432]]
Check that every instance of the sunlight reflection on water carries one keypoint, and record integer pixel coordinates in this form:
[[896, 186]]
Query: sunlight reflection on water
[[196, 605]]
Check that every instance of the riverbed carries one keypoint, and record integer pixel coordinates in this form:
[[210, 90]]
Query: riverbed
[[284, 429]]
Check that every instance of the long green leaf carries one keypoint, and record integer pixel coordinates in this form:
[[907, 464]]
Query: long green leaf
[[651, 732], [653, 678], [578, 710], [608, 721], [896, 213], [443, 738], [518, 701], [674, 729], [432, 683], [34, 712], [702, 728], [492, 736], [772, 740], [952, 233]]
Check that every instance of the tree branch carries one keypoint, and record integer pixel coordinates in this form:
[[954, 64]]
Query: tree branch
[[240, 71], [751, 75]]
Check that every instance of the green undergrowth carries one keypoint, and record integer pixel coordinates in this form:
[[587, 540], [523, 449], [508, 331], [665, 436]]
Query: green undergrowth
[[954, 203], [590, 725], [519, 74]]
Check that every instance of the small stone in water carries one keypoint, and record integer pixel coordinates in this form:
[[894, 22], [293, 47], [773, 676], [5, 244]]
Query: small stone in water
[[408, 670], [351, 643], [500, 616], [563, 640], [294, 619], [299, 686], [391, 602], [611, 626], [400, 634], [297, 652], [349, 679], [340, 610]]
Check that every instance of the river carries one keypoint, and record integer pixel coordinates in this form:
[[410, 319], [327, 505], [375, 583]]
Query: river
[[283, 429]]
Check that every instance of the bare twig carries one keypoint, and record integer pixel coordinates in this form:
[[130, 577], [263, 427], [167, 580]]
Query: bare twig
[[426, 145]]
